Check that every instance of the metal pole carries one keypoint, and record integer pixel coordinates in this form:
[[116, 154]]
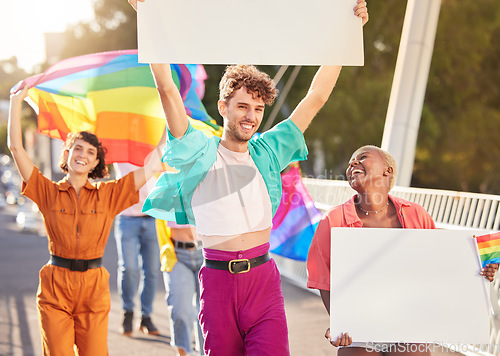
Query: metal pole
[[281, 98], [279, 74], [409, 84]]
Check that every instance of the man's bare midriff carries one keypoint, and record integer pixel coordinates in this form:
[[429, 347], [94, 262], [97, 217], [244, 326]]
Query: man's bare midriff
[[241, 242]]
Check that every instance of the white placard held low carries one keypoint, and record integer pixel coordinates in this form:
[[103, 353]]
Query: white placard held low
[[293, 32], [408, 285]]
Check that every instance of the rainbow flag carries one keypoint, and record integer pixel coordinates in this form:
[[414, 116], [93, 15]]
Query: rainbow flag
[[113, 95], [489, 248], [296, 219]]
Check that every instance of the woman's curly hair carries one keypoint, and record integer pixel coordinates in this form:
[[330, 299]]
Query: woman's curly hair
[[100, 171], [258, 83]]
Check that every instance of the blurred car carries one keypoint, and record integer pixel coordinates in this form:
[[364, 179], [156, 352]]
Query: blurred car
[[3, 202], [5, 160], [29, 219], [13, 196]]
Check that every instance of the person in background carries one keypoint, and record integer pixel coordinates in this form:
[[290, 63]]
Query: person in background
[[138, 259], [73, 296], [181, 261], [371, 173]]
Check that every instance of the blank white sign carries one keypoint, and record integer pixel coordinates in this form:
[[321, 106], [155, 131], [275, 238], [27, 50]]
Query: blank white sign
[[408, 285], [293, 32]]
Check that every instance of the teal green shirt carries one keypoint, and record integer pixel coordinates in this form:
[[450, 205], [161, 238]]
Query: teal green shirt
[[193, 155]]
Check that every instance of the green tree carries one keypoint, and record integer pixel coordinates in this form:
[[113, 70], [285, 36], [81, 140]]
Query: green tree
[[114, 28], [458, 145]]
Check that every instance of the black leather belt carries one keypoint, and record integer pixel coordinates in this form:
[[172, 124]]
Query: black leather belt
[[185, 245], [238, 266], [75, 265]]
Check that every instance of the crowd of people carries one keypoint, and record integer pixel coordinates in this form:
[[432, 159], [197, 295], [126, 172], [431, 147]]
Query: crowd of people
[[210, 241]]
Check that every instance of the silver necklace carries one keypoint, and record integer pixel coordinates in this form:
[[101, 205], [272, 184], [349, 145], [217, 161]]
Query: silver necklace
[[370, 211]]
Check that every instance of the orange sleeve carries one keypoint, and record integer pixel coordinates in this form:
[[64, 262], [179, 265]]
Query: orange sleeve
[[318, 260], [119, 194], [37, 189]]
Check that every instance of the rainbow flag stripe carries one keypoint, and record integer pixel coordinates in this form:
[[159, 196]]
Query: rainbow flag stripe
[[489, 248], [296, 219], [113, 95]]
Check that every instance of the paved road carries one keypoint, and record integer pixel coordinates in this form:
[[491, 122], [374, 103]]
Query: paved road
[[22, 255]]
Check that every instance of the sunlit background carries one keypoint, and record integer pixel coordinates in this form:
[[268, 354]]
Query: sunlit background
[[24, 22]]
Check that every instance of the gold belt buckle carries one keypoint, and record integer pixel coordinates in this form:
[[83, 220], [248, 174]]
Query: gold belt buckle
[[235, 261]]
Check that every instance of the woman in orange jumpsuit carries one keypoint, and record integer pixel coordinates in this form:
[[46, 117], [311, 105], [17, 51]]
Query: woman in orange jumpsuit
[[73, 295]]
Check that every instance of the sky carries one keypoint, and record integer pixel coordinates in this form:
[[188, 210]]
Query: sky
[[23, 23]]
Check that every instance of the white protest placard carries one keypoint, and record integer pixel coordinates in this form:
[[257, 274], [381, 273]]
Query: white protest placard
[[408, 285], [281, 32]]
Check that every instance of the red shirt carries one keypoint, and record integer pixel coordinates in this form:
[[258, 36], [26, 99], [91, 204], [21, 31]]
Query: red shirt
[[411, 216]]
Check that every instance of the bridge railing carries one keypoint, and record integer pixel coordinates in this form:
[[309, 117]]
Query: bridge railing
[[449, 209]]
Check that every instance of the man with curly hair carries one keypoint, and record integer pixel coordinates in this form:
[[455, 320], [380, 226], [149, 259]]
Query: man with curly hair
[[230, 188]]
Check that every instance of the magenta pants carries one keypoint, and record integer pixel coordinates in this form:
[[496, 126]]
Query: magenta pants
[[243, 314]]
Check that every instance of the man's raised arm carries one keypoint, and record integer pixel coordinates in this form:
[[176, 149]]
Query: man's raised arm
[[319, 92], [171, 100]]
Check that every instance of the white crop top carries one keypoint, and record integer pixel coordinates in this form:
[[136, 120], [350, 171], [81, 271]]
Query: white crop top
[[232, 199]]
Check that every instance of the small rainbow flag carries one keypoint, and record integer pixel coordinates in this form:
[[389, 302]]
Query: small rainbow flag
[[114, 96], [489, 248]]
